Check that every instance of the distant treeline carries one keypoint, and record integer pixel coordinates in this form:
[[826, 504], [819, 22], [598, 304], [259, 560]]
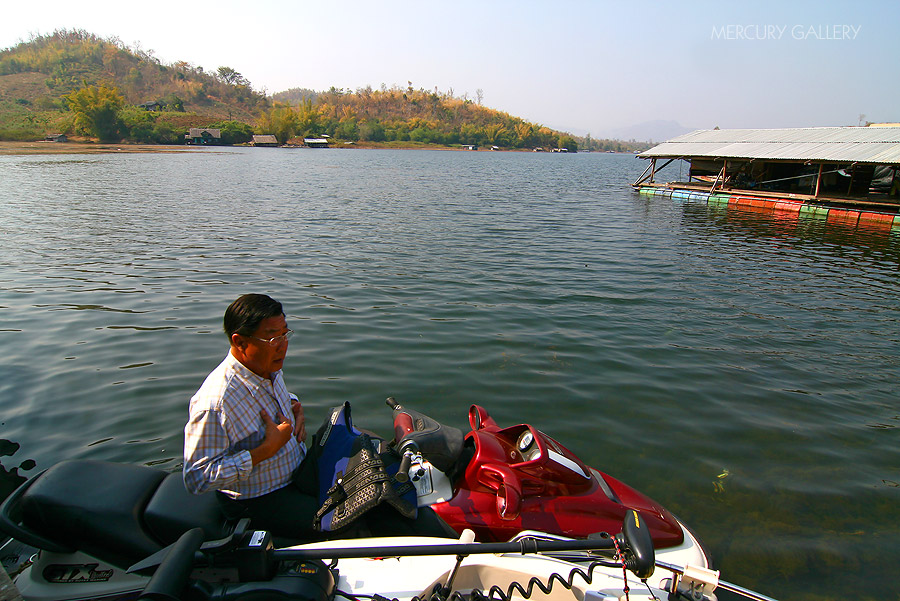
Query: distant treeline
[[404, 114], [418, 115]]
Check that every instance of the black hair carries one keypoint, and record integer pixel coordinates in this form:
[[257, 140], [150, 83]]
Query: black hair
[[244, 315]]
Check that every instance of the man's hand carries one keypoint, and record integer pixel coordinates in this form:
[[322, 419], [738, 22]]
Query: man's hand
[[299, 421], [277, 435]]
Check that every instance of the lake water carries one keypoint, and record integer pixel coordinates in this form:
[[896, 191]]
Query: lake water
[[740, 369]]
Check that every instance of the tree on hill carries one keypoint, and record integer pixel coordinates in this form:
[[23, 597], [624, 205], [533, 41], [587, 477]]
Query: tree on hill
[[569, 143], [281, 121], [232, 77], [96, 110], [295, 95]]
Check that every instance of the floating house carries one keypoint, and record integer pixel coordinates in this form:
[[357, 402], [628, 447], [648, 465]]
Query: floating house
[[265, 140], [203, 136], [841, 173], [316, 142]]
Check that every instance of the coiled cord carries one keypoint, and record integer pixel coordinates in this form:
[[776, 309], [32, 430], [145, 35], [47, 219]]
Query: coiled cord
[[495, 593]]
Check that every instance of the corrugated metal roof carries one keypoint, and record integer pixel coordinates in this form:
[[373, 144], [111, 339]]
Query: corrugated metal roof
[[880, 145]]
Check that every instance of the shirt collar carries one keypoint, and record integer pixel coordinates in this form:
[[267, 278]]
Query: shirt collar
[[246, 374]]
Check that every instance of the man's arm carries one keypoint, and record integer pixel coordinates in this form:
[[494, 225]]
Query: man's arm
[[207, 465], [299, 420]]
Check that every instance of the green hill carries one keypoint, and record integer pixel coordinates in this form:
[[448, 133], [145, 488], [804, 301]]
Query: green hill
[[156, 102], [37, 74]]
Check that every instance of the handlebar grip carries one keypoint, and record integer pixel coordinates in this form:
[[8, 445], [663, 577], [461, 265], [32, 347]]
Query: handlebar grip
[[403, 470], [171, 577]]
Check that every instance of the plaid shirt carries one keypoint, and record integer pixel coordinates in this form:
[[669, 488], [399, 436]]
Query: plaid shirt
[[223, 426]]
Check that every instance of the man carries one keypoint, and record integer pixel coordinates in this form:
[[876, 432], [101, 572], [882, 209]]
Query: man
[[245, 436]]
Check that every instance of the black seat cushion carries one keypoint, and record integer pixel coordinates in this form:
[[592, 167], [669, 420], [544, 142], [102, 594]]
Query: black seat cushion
[[96, 507], [173, 511]]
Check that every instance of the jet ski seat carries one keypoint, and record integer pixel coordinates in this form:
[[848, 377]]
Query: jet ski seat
[[115, 512], [172, 511]]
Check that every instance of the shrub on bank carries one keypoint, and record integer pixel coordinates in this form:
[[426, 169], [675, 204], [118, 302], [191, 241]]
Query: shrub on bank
[[234, 132], [20, 134]]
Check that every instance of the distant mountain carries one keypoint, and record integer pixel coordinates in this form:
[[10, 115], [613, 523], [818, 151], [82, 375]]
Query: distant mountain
[[657, 130]]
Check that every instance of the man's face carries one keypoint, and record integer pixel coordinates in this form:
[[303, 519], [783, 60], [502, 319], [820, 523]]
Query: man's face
[[259, 356]]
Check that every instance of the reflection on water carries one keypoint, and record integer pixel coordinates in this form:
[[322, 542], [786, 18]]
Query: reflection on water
[[795, 229], [10, 479]]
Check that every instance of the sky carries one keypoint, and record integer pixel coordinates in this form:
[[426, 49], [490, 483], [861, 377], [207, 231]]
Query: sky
[[593, 67]]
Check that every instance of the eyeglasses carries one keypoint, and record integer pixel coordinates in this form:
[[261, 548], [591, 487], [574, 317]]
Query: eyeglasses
[[275, 340]]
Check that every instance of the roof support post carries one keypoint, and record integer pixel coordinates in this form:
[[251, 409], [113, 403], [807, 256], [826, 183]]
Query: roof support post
[[640, 180], [852, 177], [718, 177], [643, 178], [819, 179]]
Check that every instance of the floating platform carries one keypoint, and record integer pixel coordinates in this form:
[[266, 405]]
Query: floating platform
[[844, 216], [841, 174]]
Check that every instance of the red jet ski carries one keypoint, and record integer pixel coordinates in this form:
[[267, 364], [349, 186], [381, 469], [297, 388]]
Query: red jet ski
[[499, 482]]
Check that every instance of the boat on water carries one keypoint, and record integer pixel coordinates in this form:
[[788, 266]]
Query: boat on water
[[846, 175]]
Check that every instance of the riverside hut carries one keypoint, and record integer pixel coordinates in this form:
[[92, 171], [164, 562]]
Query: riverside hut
[[316, 142], [850, 171], [264, 140], [204, 136]]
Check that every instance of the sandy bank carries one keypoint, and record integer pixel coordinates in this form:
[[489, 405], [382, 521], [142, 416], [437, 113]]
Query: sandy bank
[[83, 148]]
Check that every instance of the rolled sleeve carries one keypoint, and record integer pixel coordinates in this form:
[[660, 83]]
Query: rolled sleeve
[[207, 463]]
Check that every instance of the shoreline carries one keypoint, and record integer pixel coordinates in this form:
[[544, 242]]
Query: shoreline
[[47, 147], [42, 147]]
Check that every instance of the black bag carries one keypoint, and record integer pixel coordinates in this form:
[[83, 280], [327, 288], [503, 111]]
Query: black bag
[[365, 484]]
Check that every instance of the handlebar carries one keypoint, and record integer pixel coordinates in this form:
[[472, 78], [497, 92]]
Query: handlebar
[[403, 471], [171, 577]]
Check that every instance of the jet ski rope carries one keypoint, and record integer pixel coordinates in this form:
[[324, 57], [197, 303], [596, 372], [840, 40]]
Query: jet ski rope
[[621, 556]]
